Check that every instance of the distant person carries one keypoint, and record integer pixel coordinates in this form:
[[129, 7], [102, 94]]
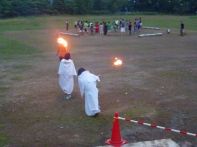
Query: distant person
[[135, 26], [105, 28], [130, 27], [182, 27], [76, 25], [140, 23], [96, 27], [86, 26], [116, 25], [67, 25], [109, 26], [122, 26], [168, 31], [87, 85], [101, 28], [91, 29], [66, 73]]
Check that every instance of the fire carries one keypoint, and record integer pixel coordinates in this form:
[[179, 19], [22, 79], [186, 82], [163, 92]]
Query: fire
[[61, 41], [117, 62]]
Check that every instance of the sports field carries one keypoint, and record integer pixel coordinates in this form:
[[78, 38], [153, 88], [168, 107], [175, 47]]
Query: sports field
[[157, 82]]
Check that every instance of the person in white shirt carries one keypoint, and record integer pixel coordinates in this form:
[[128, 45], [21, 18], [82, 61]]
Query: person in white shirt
[[88, 89], [66, 75]]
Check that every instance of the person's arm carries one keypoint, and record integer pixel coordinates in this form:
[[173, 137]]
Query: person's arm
[[81, 88]]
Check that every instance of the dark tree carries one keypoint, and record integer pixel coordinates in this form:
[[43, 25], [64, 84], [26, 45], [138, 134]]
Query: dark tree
[[11, 8]]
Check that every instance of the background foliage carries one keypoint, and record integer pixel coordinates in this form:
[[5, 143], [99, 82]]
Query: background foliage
[[13, 8]]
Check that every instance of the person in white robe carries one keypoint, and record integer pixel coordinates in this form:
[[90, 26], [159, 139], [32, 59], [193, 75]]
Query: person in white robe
[[66, 75], [88, 89]]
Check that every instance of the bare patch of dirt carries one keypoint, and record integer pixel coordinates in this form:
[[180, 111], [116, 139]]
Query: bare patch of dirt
[[157, 82]]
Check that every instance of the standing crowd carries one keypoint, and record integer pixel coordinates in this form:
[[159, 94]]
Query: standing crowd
[[121, 25], [104, 27]]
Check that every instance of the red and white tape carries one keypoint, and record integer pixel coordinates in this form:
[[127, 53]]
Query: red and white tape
[[154, 125]]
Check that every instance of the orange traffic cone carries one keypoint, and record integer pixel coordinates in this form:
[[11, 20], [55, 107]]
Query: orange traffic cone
[[116, 139]]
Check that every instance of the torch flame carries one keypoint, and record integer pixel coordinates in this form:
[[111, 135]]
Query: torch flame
[[117, 61], [61, 41]]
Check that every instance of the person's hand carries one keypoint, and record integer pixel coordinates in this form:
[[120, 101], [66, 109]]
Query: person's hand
[[99, 78]]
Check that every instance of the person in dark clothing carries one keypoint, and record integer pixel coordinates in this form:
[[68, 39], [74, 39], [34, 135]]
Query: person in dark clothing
[[130, 27], [67, 25], [105, 29], [91, 29], [182, 27]]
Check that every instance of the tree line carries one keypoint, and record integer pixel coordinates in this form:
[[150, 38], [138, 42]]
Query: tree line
[[13, 8]]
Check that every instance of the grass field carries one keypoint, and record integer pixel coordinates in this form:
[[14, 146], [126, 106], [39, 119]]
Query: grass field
[[158, 77], [43, 22], [11, 47]]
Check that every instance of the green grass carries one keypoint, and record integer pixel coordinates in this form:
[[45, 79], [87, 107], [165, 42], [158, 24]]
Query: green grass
[[84, 121], [140, 111], [12, 48], [3, 89], [1, 125], [17, 24], [178, 74], [17, 78], [171, 21], [3, 140], [21, 67]]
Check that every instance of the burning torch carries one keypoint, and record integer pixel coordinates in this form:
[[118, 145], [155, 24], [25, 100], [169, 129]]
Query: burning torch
[[62, 41], [62, 47]]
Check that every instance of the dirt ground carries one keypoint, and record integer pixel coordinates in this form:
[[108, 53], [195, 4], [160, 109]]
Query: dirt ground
[[157, 83]]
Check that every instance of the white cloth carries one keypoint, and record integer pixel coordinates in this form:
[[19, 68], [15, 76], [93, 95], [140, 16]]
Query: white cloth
[[122, 29], [66, 74], [101, 29], [87, 84]]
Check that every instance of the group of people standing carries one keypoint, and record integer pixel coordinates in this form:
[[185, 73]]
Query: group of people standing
[[104, 27], [86, 80]]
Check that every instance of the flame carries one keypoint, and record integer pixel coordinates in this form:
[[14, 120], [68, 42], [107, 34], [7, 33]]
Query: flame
[[117, 62], [61, 41]]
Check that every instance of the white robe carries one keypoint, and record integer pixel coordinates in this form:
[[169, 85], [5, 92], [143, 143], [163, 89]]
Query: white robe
[[122, 30], [66, 74], [87, 84]]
